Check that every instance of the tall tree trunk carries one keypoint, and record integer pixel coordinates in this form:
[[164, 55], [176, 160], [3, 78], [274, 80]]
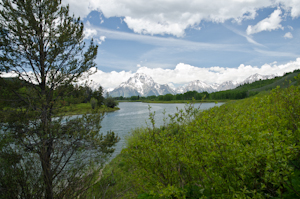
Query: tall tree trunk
[[46, 165]]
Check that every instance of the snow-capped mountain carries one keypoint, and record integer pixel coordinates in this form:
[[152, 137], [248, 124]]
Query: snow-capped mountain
[[142, 85], [256, 77], [196, 85], [226, 86]]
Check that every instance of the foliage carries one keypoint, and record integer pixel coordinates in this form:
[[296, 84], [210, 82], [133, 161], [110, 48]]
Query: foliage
[[94, 103], [110, 102], [98, 95], [243, 149], [43, 156]]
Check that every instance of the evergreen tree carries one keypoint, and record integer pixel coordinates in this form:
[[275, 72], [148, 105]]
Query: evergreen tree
[[43, 46], [98, 95]]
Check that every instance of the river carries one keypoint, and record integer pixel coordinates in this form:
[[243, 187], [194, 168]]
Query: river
[[135, 114]]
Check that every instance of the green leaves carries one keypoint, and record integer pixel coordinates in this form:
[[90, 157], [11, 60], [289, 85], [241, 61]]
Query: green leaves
[[43, 46], [241, 149]]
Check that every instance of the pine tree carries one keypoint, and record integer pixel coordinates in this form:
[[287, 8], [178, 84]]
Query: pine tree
[[53, 157]]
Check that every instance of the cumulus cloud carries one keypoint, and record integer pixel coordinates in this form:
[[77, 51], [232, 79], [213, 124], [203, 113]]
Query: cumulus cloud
[[173, 17], [270, 23], [288, 35], [292, 6], [184, 73], [110, 80]]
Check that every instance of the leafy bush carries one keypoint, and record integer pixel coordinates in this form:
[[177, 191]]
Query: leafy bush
[[244, 149], [111, 102], [93, 102]]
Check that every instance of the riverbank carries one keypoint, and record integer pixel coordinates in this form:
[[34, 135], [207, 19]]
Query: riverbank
[[83, 108], [177, 101]]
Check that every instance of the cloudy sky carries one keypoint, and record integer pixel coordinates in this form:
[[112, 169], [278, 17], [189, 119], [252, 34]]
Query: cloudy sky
[[177, 41]]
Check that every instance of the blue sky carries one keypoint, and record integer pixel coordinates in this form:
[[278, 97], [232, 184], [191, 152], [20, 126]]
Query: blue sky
[[177, 41]]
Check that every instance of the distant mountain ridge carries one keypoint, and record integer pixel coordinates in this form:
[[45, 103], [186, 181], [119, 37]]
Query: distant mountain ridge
[[143, 85], [256, 77]]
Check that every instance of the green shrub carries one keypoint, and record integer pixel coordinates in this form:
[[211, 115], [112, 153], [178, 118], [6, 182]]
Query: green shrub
[[242, 149], [111, 102], [93, 102]]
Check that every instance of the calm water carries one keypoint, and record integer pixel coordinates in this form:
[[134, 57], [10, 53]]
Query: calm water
[[136, 114]]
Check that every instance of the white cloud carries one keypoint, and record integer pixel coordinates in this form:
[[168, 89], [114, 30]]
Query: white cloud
[[111, 79], [164, 42], [184, 73], [288, 35], [270, 23], [102, 38], [293, 6], [173, 17], [248, 37], [89, 33]]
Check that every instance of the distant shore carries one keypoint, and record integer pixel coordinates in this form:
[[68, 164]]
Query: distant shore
[[176, 101], [84, 108]]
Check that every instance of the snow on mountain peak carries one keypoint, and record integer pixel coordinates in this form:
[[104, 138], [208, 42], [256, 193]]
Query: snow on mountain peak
[[140, 84], [256, 77], [143, 85]]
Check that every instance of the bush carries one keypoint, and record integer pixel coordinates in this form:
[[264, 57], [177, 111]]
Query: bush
[[94, 103], [111, 102], [242, 149]]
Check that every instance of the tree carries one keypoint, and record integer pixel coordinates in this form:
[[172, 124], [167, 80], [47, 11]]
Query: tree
[[43, 46], [110, 102], [98, 95]]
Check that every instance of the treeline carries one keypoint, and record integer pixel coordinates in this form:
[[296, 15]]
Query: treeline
[[65, 95], [190, 95]]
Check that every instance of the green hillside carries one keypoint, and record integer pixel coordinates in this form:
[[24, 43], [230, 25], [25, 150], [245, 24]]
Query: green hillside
[[269, 84], [243, 149]]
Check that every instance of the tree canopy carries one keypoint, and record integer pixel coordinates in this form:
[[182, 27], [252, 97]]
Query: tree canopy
[[43, 156]]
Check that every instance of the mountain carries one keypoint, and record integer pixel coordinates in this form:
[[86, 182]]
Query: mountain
[[201, 86], [142, 85], [227, 86], [196, 85], [256, 77]]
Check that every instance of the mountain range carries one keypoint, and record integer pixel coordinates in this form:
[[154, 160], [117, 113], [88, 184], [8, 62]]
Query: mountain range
[[143, 85]]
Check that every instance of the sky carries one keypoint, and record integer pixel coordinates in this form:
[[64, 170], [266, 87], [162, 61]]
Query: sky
[[178, 41]]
